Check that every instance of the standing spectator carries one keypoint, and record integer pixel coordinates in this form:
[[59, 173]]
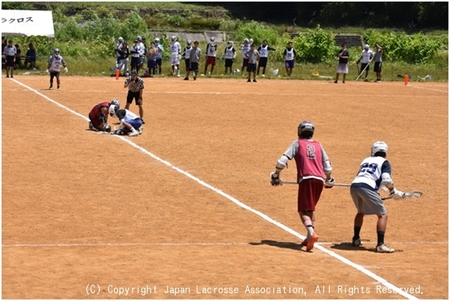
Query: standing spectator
[[143, 52], [124, 53], [135, 86], [253, 58], [264, 53], [4, 43], [194, 58], [343, 63], [151, 59], [159, 54], [18, 54], [175, 51], [245, 48], [135, 56], [229, 55], [31, 57], [117, 49], [10, 54], [54, 67], [211, 53], [289, 58], [366, 58], [187, 57], [377, 58]]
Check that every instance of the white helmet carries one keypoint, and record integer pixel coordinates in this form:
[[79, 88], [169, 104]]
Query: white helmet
[[366, 47], [121, 40], [189, 42], [113, 110], [212, 39], [174, 38], [251, 40], [230, 43], [157, 40], [246, 40], [379, 147]]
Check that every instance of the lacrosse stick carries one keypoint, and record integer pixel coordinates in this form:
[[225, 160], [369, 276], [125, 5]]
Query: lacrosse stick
[[329, 184], [415, 194], [368, 64]]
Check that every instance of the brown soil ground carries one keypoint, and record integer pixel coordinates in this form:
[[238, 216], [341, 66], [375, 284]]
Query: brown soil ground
[[86, 214]]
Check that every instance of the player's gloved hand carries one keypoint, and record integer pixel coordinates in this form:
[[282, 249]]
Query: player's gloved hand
[[329, 183], [66, 70], [47, 71], [397, 194], [275, 179]]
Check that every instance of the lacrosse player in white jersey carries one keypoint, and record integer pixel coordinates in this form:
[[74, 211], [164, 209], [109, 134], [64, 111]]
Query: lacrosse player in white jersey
[[245, 48], [264, 52], [54, 67], [211, 53], [374, 172], [130, 123], [175, 53], [365, 59], [187, 55], [229, 55]]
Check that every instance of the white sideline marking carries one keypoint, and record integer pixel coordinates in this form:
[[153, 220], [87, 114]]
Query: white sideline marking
[[131, 244], [436, 90], [244, 206]]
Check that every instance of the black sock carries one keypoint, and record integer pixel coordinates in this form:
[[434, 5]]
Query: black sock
[[380, 235], [356, 231]]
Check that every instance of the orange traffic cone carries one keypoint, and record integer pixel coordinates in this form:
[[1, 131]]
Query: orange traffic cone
[[117, 73], [406, 78]]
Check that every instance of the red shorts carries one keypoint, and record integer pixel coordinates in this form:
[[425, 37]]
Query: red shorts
[[309, 194], [245, 63], [211, 61]]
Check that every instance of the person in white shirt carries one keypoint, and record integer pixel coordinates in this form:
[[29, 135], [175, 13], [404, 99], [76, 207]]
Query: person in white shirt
[[54, 67], [365, 59], [175, 53]]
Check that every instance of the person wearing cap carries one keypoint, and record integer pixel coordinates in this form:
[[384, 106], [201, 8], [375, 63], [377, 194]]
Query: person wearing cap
[[365, 59], [211, 52], [159, 55], [10, 53], [377, 59], [135, 86], [343, 56], [135, 51]]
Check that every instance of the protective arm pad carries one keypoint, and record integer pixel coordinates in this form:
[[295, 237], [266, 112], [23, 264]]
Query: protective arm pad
[[327, 167], [386, 180], [281, 163]]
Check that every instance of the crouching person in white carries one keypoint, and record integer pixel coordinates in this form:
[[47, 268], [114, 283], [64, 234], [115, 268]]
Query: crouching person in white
[[374, 173], [130, 123]]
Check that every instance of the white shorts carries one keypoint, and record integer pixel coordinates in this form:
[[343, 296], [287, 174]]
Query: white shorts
[[342, 68], [174, 59]]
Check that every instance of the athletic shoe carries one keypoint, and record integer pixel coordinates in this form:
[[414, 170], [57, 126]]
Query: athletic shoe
[[335, 81], [384, 249], [51, 86], [186, 78], [12, 76], [92, 128], [343, 81], [133, 133], [57, 87], [7, 76], [356, 242], [140, 130], [143, 122], [304, 243], [366, 80], [311, 241], [254, 80], [249, 81], [195, 78]]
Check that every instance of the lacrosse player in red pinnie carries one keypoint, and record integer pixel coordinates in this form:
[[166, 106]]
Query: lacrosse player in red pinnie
[[374, 173], [313, 174]]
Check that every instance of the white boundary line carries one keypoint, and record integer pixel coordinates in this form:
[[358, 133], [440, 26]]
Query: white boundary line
[[131, 244], [426, 88], [242, 205], [180, 244]]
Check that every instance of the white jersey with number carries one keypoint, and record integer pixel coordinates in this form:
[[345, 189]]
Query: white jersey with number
[[55, 63], [230, 53], [245, 49], [371, 171], [212, 50], [366, 56], [175, 48], [289, 54], [264, 51], [130, 116]]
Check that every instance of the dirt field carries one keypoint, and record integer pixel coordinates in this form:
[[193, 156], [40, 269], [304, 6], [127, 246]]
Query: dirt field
[[88, 215]]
